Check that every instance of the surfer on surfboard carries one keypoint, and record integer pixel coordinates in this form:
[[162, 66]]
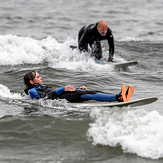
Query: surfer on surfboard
[[92, 34], [36, 89]]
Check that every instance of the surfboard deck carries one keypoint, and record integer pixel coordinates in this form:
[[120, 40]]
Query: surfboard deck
[[119, 64], [139, 102]]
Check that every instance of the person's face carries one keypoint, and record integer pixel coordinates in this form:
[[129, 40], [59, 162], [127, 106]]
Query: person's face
[[102, 30], [37, 80]]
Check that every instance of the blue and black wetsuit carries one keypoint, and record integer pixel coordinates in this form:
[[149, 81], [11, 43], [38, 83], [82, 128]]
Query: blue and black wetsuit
[[90, 35], [79, 95]]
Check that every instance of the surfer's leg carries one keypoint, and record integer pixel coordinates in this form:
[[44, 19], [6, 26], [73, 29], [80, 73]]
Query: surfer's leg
[[96, 50], [100, 97], [121, 97], [81, 95], [129, 92]]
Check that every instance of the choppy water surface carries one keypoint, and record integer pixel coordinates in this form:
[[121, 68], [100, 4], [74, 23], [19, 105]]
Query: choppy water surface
[[36, 35]]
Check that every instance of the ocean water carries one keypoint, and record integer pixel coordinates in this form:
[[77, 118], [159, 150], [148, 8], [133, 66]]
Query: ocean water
[[36, 35]]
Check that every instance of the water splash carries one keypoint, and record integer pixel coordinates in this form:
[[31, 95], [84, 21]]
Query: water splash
[[136, 131]]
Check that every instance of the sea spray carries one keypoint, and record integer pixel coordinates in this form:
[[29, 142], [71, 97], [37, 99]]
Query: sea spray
[[136, 131]]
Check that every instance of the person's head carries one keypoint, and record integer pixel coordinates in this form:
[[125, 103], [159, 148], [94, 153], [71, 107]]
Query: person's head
[[32, 79], [102, 27]]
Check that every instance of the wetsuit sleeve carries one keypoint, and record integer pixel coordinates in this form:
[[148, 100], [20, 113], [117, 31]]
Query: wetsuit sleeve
[[60, 90], [33, 93], [111, 47], [83, 42], [36, 93], [54, 94]]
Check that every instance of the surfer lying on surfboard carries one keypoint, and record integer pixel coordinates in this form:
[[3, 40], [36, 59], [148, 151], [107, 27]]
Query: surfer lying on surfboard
[[36, 89]]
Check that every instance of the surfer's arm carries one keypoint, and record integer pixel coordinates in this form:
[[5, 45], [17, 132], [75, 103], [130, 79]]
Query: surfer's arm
[[54, 95], [68, 88], [33, 93], [83, 42], [111, 47], [64, 89], [37, 93]]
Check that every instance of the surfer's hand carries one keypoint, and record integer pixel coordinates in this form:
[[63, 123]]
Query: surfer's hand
[[82, 87], [69, 88]]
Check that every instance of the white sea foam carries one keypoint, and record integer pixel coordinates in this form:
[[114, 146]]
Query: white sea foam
[[128, 39], [5, 93], [10, 98], [136, 131], [16, 50]]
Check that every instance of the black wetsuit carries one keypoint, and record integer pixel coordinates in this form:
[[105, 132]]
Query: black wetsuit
[[90, 35], [79, 95]]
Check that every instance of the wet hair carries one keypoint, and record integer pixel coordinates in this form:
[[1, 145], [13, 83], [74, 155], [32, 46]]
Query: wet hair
[[29, 76]]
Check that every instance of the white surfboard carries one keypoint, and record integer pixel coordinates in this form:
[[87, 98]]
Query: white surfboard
[[139, 102], [119, 64]]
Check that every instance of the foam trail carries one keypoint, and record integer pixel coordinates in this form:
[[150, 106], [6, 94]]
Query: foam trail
[[137, 131]]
